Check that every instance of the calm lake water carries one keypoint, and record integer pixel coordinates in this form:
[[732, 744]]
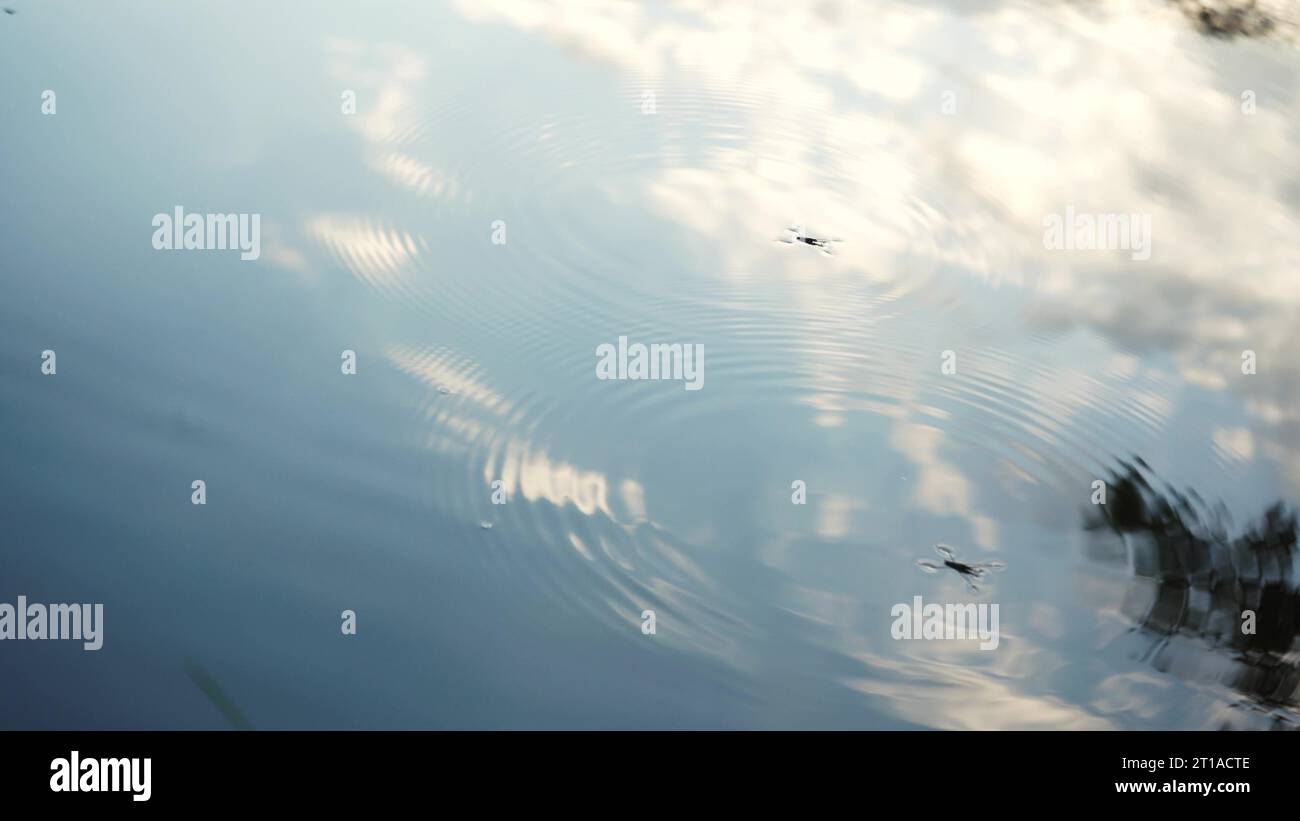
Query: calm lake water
[[523, 181]]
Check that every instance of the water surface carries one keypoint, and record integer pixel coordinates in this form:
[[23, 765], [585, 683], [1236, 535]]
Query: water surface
[[643, 160]]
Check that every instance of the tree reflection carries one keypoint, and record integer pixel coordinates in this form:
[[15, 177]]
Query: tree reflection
[[1194, 585]]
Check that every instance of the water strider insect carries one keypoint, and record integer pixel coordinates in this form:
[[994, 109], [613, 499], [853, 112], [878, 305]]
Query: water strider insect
[[970, 571], [795, 234]]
